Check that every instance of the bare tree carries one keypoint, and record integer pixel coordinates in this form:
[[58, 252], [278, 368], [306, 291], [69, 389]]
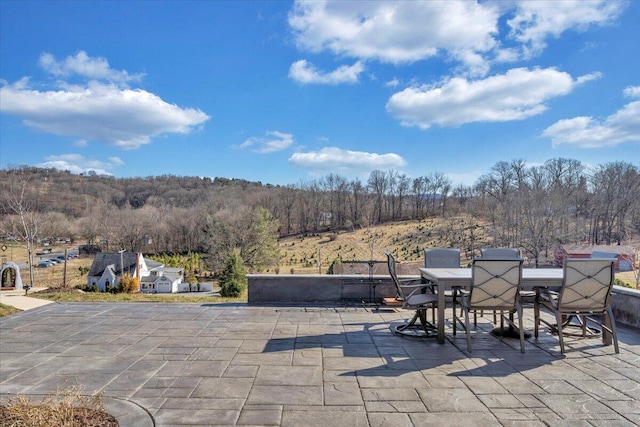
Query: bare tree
[[616, 187], [22, 219], [378, 184]]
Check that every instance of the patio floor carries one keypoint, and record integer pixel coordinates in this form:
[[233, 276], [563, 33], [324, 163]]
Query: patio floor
[[194, 364]]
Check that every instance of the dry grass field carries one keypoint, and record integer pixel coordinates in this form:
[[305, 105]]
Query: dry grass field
[[406, 240], [50, 276]]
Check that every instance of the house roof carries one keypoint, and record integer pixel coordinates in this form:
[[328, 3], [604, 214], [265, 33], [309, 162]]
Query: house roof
[[152, 265], [103, 259], [171, 274], [589, 249]]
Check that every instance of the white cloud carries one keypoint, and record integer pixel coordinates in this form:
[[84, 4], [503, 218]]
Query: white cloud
[[272, 142], [303, 72], [76, 163], [391, 31], [632, 92], [587, 132], [392, 83], [468, 32], [516, 95], [345, 161], [95, 68], [97, 111], [535, 21]]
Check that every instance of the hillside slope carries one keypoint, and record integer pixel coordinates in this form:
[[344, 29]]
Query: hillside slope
[[405, 240]]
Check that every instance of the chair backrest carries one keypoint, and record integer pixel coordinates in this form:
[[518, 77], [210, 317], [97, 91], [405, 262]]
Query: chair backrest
[[500, 253], [391, 264], [442, 258], [587, 284], [495, 283]]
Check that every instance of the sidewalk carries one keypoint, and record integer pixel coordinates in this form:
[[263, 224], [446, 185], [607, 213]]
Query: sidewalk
[[18, 299]]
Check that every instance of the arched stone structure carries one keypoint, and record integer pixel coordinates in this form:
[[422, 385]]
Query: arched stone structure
[[10, 276]]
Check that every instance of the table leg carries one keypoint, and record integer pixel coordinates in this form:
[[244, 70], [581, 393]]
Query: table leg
[[441, 308], [510, 331]]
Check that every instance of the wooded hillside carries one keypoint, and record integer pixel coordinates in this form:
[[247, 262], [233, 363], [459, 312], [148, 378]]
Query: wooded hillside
[[532, 207]]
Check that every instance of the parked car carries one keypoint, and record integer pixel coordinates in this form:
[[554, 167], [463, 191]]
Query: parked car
[[44, 264], [60, 257]]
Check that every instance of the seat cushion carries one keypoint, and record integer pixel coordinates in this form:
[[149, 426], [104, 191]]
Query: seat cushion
[[421, 299]]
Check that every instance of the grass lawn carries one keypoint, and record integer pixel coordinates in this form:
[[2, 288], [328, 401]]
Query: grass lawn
[[73, 295], [6, 310]]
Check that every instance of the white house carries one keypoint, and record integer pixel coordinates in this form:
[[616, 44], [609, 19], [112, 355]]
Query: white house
[[164, 280], [108, 267]]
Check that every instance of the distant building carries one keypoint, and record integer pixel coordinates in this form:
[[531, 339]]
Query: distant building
[[108, 267], [625, 255], [164, 280]]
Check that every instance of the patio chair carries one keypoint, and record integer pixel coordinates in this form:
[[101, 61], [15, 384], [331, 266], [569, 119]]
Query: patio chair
[[414, 296], [500, 253], [494, 286], [504, 253], [442, 258], [586, 291]]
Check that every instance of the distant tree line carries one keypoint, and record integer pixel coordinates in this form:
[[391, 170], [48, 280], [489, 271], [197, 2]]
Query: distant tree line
[[533, 207]]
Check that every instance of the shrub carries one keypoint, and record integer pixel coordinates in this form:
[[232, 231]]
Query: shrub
[[63, 408], [190, 277], [233, 280], [618, 282], [128, 284]]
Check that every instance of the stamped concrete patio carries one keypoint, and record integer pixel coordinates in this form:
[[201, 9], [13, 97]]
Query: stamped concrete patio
[[191, 364]]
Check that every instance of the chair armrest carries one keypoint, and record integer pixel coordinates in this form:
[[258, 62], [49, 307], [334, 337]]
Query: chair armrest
[[416, 288]]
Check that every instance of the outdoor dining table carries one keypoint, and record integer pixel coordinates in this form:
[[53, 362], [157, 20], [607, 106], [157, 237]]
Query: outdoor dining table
[[447, 278]]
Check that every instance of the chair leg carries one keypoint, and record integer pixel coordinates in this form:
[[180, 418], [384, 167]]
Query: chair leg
[[412, 321], [520, 327], [614, 333], [422, 314], [559, 326], [536, 317], [468, 329]]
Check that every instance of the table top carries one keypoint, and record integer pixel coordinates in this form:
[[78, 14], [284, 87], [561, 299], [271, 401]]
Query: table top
[[462, 276]]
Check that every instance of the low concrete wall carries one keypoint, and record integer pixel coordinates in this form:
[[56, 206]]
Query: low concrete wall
[[625, 304], [314, 288], [343, 288]]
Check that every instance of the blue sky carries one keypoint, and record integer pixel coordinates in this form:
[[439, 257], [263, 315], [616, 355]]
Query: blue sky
[[287, 92]]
